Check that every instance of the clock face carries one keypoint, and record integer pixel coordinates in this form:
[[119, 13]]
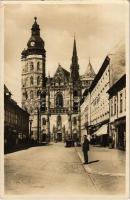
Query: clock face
[[32, 44]]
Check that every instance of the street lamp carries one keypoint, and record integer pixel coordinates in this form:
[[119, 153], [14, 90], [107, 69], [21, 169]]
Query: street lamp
[[30, 127]]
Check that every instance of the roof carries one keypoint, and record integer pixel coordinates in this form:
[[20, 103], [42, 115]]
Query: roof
[[6, 90], [63, 72], [118, 85], [100, 73], [89, 72], [12, 101]]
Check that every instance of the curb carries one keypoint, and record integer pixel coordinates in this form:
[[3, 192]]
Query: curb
[[90, 171]]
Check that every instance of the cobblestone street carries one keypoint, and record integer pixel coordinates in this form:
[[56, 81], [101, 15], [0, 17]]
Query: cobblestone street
[[47, 170]]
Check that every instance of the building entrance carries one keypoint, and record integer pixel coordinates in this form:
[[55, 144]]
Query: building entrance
[[59, 137]]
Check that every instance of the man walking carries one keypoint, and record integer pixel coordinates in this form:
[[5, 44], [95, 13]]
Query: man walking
[[85, 149]]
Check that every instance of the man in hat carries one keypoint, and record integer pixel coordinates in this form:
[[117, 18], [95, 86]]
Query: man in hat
[[85, 149]]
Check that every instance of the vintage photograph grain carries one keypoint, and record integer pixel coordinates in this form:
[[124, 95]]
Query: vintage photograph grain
[[65, 96]]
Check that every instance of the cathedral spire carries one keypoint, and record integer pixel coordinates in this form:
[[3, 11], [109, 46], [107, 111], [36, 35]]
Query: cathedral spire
[[74, 65], [35, 28]]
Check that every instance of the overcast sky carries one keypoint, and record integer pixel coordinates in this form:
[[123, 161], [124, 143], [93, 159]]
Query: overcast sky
[[98, 28]]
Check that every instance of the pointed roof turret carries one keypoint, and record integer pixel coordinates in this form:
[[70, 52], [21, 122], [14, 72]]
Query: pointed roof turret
[[89, 72], [35, 28]]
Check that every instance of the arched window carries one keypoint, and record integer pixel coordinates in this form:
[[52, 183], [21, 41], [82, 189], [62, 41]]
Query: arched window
[[31, 66], [38, 80], [43, 121], [31, 80], [38, 66], [74, 120], [59, 100], [31, 94]]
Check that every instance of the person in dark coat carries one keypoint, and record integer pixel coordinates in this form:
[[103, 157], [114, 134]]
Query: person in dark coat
[[85, 149]]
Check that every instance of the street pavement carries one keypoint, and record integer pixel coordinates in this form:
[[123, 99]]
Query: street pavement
[[106, 168], [54, 170], [47, 170]]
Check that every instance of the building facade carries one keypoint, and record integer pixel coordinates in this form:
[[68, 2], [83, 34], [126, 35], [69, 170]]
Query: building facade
[[16, 121], [55, 113], [95, 107], [117, 102]]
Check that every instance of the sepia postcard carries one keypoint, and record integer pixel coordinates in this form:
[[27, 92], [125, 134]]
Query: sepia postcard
[[65, 99]]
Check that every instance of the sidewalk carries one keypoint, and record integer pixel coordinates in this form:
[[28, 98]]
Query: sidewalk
[[106, 169], [104, 161]]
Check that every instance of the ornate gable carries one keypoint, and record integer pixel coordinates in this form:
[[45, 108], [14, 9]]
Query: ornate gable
[[61, 74]]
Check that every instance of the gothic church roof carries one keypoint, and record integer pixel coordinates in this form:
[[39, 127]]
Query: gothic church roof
[[61, 74]]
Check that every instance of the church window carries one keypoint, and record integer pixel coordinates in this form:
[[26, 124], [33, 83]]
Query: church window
[[38, 80], [43, 121], [38, 66], [59, 100], [75, 93], [31, 80], [31, 66], [31, 94], [74, 121]]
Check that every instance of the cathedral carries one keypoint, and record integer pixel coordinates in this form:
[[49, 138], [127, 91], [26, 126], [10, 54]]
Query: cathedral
[[52, 102]]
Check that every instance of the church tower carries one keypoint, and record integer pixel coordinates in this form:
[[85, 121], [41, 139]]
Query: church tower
[[33, 76], [75, 79], [74, 65]]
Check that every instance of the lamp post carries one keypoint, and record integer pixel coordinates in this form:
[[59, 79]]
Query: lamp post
[[30, 128]]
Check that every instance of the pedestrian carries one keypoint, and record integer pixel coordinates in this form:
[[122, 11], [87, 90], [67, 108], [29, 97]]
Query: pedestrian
[[85, 149]]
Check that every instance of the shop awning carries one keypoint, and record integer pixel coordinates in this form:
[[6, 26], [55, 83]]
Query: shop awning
[[102, 130]]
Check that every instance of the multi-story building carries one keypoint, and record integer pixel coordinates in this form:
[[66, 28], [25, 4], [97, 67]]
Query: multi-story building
[[85, 114], [16, 121], [59, 116], [117, 104], [100, 103]]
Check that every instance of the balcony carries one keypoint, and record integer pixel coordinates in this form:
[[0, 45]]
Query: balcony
[[59, 110]]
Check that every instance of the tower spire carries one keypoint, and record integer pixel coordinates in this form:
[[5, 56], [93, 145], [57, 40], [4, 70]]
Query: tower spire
[[74, 65], [35, 28]]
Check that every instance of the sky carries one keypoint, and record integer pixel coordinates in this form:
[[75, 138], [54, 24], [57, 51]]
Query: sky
[[98, 28]]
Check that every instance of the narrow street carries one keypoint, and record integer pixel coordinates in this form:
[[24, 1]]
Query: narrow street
[[47, 170]]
